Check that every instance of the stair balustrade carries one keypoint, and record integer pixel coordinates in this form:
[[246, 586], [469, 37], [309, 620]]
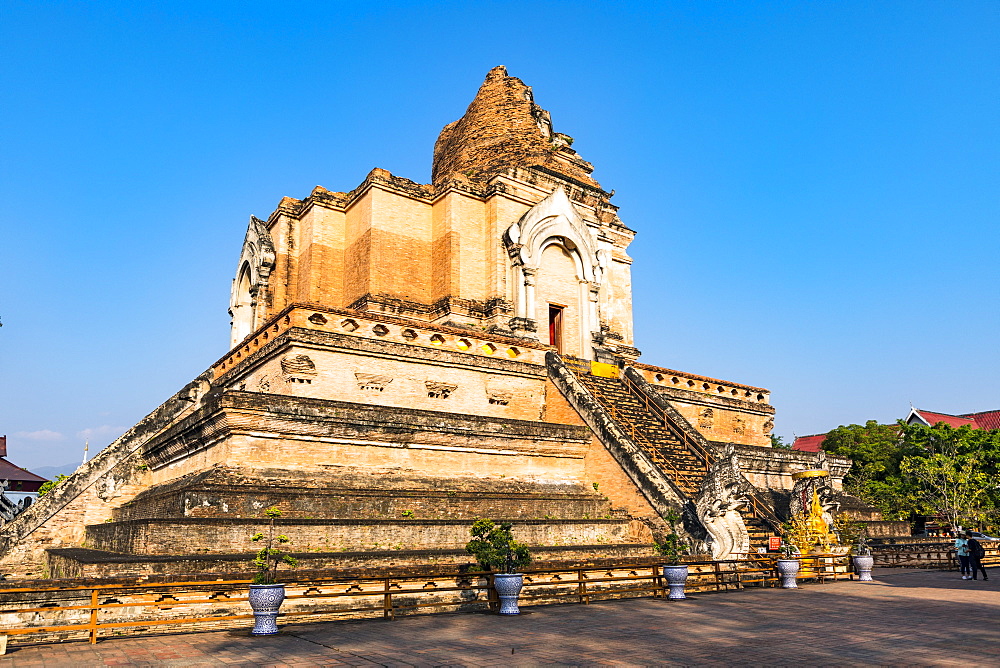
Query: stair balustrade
[[758, 514]]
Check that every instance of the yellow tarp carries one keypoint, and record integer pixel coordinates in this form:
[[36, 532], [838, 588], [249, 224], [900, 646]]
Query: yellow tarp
[[603, 370]]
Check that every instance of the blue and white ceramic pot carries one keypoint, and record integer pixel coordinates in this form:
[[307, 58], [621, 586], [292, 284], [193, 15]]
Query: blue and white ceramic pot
[[863, 566], [265, 601], [676, 576], [508, 586], [787, 570]]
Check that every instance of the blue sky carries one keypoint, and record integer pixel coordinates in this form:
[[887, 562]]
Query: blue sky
[[815, 185]]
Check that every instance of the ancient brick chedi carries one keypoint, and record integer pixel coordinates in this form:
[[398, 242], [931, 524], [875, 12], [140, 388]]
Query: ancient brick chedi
[[512, 226], [406, 357]]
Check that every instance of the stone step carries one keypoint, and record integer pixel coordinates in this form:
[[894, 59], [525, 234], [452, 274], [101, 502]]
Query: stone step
[[336, 493], [204, 535], [344, 503]]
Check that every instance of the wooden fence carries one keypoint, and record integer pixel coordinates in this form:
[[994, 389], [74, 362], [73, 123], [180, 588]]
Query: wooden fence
[[927, 555], [93, 611]]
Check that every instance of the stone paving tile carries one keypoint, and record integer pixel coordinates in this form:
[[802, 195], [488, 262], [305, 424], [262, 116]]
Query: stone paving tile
[[912, 618]]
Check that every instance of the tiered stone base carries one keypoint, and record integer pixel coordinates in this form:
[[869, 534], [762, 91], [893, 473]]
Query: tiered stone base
[[339, 518]]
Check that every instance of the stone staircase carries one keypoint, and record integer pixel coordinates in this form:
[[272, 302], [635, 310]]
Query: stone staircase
[[645, 427], [759, 529], [664, 445]]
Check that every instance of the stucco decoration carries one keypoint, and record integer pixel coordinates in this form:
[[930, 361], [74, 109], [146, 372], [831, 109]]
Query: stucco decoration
[[724, 493], [298, 368], [554, 220], [252, 273], [371, 382]]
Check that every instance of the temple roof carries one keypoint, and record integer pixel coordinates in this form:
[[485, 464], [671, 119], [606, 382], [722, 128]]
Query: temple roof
[[13, 472], [811, 443], [29, 482], [983, 420], [503, 128]]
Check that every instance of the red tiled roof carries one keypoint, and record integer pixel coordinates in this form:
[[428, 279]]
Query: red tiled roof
[[986, 419], [950, 420], [29, 482], [809, 443]]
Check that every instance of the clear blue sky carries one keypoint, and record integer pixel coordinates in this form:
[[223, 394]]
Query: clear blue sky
[[815, 185]]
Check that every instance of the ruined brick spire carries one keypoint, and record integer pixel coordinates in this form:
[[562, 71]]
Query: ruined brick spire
[[504, 128]]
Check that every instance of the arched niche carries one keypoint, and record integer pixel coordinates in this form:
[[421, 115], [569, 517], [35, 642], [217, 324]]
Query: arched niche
[[554, 263], [254, 268], [241, 305]]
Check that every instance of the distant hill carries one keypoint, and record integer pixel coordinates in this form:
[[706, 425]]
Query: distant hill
[[51, 472]]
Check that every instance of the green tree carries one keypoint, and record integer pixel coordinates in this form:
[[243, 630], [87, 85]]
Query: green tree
[[877, 451], [269, 557], [955, 472], [779, 443], [47, 486], [672, 546], [908, 470]]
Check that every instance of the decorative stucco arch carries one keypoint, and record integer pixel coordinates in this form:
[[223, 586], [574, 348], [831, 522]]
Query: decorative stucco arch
[[252, 273], [554, 221]]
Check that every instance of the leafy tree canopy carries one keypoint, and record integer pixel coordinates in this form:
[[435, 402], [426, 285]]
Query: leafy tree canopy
[[907, 470]]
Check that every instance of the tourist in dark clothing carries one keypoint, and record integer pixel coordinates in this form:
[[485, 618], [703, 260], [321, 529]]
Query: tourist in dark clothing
[[976, 554]]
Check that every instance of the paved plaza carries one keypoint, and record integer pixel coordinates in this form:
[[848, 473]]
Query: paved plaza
[[906, 617]]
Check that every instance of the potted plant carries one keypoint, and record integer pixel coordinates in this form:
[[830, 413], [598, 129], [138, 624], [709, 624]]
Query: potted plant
[[495, 549], [788, 566], [266, 595], [672, 547], [863, 560]]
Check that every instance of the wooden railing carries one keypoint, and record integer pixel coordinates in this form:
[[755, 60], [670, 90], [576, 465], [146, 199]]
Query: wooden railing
[[93, 611]]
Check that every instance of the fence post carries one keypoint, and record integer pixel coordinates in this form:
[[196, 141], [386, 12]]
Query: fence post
[[491, 593], [93, 616], [387, 611], [581, 588]]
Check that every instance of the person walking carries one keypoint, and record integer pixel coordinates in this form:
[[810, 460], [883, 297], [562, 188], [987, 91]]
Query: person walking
[[976, 554], [962, 550]]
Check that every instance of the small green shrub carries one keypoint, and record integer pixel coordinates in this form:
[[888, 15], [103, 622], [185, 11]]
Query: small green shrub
[[672, 547], [270, 557], [494, 547]]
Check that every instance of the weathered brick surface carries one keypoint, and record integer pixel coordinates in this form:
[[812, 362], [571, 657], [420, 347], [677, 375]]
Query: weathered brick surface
[[194, 535], [502, 128], [88, 563], [346, 492]]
